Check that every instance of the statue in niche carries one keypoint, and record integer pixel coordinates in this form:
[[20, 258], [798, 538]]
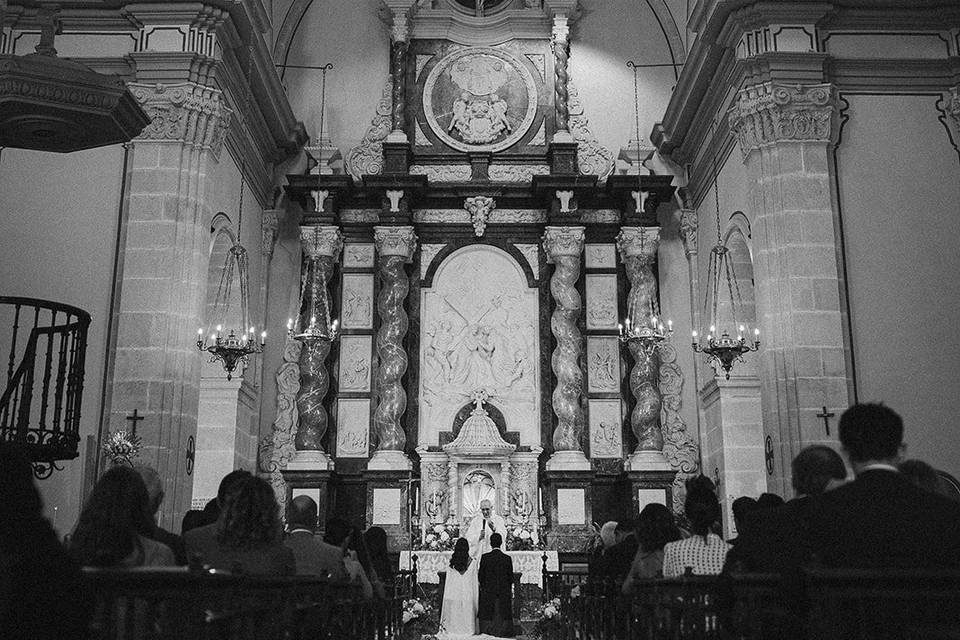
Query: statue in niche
[[522, 506], [434, 505]]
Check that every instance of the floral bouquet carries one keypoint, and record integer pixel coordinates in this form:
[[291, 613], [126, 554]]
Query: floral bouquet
[[547, 622], [414, 608], [122, 447], [522, 537], [440, 537]]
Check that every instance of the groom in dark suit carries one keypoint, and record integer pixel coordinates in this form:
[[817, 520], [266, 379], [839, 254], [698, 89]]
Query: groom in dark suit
[[495, 610]]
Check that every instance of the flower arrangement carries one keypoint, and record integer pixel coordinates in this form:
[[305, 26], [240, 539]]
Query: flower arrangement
[[414, 608], [440, 537], [522, 537], [547, 621], [122, 447]]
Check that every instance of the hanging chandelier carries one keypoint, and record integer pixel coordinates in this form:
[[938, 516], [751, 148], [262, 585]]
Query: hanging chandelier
[[233, 346], [642, 327], [723, 348], [314, 302]]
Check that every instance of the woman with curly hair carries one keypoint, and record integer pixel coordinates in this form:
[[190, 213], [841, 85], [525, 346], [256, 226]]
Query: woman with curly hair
[[249, 534], [655, 528], [115, 523], [704, 552], [461, 594]]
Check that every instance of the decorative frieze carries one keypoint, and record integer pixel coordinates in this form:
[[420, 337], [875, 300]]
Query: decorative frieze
[[497, 216], [395, 241], [360, 216], [600, 216], [184, 112], [516, 172], [775, 112], [441, 172]]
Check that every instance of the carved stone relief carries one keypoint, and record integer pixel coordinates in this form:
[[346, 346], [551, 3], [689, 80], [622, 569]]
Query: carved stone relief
[[386, 506], [442, 172], [571, 508], [606, 431], [497, 216], [360, 216], [357, 312], [420, 139], [479, 331], [479, 208], [532, 253], [679, 446], [592, 157], [358, 256], [770, 112], [600, 256], [355, 355], [367, 157], [601, 301], [277, 448], [603, 365], [539, 139], [516, 172], [427, 254], [421, 62], [353, 427], [600, 216]]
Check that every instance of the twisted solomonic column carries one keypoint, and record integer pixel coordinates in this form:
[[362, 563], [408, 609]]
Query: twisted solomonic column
[[321, 249], [638, 250], [395, 247], [563, 246], [561, 96], [399, 35]]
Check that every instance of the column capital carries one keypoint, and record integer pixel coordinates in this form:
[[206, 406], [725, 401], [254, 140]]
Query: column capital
[[773, 112], [563, 241], [395, 241], [400, 29], [321, 241], [561, 29], [640, 242], [184, 112], [688, 230]]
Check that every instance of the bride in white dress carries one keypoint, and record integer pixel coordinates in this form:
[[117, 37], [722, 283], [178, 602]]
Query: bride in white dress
[[458, 614]]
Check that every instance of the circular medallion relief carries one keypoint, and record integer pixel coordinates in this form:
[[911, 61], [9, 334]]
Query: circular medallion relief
[[479, 100]]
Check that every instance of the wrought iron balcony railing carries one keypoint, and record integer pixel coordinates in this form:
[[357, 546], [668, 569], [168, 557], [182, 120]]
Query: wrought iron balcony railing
[[45, 352]]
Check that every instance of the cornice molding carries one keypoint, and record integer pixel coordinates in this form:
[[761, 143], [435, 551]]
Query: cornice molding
[[187, 113]]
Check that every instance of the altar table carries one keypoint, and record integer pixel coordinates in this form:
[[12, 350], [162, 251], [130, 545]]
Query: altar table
[[529, 564]]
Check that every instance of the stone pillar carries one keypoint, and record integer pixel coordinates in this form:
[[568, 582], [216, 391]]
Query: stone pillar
[[164, 255], [561, 51], [269, 223], [453, 490], [786, 132], [435, 490], [563, 246], [399, 33], [524, 486], [395, 248], [321, 246], [638, 251]]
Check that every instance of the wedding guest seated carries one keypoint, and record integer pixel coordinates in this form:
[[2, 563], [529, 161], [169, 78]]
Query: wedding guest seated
[[208, 517], [656, 527], [339, 533], [357, 548], [313, 556], [816, 470], [881, 519], [155, 492], [116, 523], [375, 541], [41, 594], [703, 552], [616, 560], [607, 538], [769, 501], [741, 508], [249, 534], [923, 475]]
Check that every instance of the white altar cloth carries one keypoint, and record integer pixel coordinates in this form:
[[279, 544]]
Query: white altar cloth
[[529, 564]]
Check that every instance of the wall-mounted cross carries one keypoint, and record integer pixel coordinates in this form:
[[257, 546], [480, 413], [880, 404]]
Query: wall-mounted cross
[[133, 419], [826, 415]]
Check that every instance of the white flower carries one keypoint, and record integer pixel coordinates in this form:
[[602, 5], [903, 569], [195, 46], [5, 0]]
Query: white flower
[[549, 611], [430, 537], [575, 592], [407, 616], [417, 607], [434, 545], [517, 532], [444, 537], [524, 535], [437, 528]]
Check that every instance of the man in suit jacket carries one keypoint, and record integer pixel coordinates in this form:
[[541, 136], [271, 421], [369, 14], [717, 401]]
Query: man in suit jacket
[[314, 556], [495, 609]]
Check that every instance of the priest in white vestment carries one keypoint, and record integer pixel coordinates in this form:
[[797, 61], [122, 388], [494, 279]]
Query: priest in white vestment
[[483, 525]]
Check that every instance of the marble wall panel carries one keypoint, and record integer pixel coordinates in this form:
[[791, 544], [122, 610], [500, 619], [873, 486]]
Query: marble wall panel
[[571, 508], [357, 312], [600, 256], [353, 427], [601, 301], [386, 506], [355, 365], [603, 364], [606, 439], [358, 256]]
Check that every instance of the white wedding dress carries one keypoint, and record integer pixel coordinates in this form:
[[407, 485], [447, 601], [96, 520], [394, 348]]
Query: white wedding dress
[[458, 613]]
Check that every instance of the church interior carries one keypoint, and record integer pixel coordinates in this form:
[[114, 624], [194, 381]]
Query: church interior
[[404, 256]]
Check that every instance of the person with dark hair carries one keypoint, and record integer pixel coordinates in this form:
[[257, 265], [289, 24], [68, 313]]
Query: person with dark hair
[[115, 525], [207, 517], [656, 527], [339, 533], [704, 552], [817, 469], [248, 535], [200, 531], [41, 589], [615, 560], [313, 556], [458, 613], [769, 501], [155, 492], [357, 550], [375, 541], [495, 575], [741, 508]]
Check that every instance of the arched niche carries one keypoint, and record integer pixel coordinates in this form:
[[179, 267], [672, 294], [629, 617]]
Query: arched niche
[[479, 324]]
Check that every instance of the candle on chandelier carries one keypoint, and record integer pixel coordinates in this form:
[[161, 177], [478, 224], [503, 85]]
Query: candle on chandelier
[[263, 338], [289, 324]]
